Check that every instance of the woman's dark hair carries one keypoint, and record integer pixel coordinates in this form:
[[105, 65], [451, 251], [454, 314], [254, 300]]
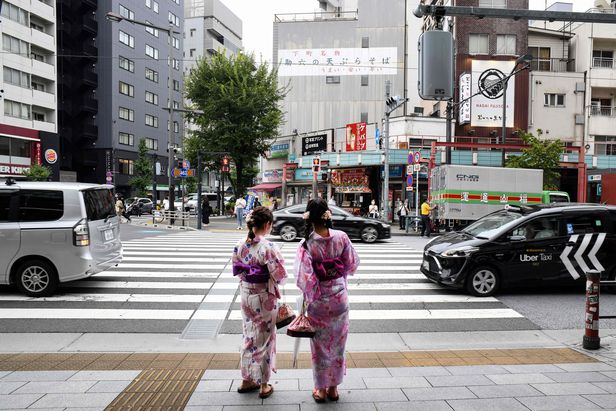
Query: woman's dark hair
[[258, 218], [316, 208]]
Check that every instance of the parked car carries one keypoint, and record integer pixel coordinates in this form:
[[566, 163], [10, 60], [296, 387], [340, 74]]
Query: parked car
[[56, 232], [289, 224], [145, 204], [530, 245]]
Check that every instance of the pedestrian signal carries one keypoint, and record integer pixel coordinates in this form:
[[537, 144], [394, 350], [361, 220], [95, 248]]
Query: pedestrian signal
[[316, 165], [225, 165]]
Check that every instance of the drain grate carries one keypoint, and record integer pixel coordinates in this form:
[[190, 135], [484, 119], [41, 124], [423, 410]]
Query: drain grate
[[201, 329]]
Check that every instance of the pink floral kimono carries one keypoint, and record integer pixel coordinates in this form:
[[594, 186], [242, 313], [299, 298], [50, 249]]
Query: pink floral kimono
[[260, 267], [321, 273]]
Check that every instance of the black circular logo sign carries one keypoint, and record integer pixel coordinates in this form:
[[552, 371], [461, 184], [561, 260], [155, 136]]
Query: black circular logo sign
[[491, 84]]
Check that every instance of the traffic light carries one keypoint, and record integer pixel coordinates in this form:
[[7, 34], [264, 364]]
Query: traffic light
[[316, 165], [224, 165]]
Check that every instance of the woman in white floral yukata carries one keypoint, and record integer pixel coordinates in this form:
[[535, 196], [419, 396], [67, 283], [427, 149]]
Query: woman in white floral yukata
[[324, 260], [260, 267]]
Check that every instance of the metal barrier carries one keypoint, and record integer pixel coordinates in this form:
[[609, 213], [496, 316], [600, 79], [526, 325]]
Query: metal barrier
[[591, 339], [159, 216]]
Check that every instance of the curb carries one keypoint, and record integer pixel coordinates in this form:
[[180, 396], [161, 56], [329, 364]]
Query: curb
[[165, 226]]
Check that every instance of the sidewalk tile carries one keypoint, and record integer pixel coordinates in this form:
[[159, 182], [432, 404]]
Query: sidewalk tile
[[493, 404], [223, 398], [397, 382], [532, 368], [104, 376], [369, 372], [75, 400], [340, 406], [611, 374], [589, 376], [561, 402], [349, 383], [7, 387], [508, 379], [204, 408], [214, 385], [477, 369], [503, 391], [459, 380], [279, 385], [593, 366], [3, 373], [289, 374], [602, 400], [438, 393], [346, 396], [39, 376], [78, 409], [110, 386], [19, 401], [569, 388], [413, 406], [418, 371], [285, 407], [55, 387], [607, 386], [221, 374]]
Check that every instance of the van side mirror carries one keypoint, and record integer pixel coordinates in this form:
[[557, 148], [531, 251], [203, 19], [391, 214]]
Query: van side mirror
[[516, 238]]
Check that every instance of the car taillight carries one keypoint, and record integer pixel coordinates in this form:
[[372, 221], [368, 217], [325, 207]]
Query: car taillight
[[81, 234]]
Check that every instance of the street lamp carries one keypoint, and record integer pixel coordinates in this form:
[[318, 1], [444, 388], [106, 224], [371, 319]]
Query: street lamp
[[522, 59], [114, 17]]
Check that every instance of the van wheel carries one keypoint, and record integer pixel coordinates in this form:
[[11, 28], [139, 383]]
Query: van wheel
[[288, 232], [483, 281], [36, 278]]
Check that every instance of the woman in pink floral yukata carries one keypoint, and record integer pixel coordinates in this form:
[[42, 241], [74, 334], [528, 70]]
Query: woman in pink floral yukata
[[260, 267], [324, 260]]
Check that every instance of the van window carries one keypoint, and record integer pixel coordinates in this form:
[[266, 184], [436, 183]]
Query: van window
[[584, 223], [99, 204], [5, 201], [558, 198], [40, 205], [538, 229]]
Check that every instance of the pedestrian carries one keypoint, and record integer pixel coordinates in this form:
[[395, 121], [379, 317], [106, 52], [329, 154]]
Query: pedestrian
[[124, 213], [206, 212], [274, 204], [238, 211], [325, 257], [256, 204], [373, 210], [331, 201], [121, 209], [425, 217], [260, 267], [403, 211]]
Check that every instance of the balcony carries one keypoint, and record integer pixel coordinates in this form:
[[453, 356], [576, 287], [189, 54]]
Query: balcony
[[89, 49], [602, 62], [316, 16], [89, 104], [89, 131], [42, 10], [602, 120], [47, 71], [43, 40], [554, 65], [44, 126], [89, 23], [88, 5], [44, 99], [90, 77]]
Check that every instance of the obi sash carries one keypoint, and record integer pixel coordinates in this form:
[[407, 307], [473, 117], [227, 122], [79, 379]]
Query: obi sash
[[329, 269], [252, 273]]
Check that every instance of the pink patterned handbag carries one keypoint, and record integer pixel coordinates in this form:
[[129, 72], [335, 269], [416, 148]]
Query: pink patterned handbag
[[301, 327], [285, 315]]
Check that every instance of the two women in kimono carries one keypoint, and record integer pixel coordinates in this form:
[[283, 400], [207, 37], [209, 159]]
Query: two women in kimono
[[325, 258]]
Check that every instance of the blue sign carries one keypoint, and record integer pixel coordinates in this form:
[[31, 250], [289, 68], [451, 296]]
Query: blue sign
[[409, 180], [184, 172], [409, 159], [377, 137]]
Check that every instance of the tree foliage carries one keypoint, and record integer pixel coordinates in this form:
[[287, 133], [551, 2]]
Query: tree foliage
[[37, 172], [541, 154], [142, 170], [238, 112]]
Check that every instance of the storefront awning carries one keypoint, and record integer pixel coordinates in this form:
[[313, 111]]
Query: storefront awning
[[266, 187]]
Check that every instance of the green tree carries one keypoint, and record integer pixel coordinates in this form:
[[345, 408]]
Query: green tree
[[37, 172], [143, 171], [540, 154], [238, 112]]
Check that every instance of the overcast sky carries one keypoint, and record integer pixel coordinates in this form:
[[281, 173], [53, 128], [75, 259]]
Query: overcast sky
[[258, 16]]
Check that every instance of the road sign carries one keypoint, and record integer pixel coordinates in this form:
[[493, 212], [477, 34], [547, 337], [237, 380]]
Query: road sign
[[377, 136], [416, 157], [185, 164], [109, 179], [108, 174], [409, 188], [409, 159], [409, 170], [409, 180], [416, 167], [183, 172]]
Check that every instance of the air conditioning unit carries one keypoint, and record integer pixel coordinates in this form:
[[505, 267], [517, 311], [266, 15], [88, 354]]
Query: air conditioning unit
[[580, 87], [418, 110], [579, 120]]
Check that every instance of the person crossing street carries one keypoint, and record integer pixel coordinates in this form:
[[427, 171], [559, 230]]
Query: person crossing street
[[425, 217]]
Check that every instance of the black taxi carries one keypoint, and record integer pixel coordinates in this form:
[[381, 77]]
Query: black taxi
[[556, 243]]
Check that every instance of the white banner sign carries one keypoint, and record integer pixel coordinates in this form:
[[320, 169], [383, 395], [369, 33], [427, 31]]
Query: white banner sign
[[338, 61], [486, 112], [464, 113]]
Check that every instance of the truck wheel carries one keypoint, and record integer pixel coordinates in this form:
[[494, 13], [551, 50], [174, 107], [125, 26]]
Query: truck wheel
[[288, 232], [36, 278], [483, 281]]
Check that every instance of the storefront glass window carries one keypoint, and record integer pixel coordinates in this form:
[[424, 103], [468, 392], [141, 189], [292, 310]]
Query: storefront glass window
[[20, 148], [4, 146]]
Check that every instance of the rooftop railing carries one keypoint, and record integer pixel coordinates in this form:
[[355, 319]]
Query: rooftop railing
[[316, 16]]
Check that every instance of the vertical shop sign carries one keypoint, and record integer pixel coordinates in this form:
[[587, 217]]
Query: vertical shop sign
[[356, 137]]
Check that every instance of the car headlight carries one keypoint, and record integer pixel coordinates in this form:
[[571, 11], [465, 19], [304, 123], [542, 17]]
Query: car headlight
[[384, 225], [460, 251]]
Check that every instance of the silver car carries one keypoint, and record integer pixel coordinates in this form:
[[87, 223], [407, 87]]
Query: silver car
[[56, 232]]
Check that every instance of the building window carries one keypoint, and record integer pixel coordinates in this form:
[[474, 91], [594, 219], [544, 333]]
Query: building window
[[148, 4], [176, 127], [192, 32], [176, 85], [151, 143], [176, 43], [126, 139], [192, 52], [332, 80], [126, 114], [127, 89], [363, 117], [155, 6], [127, 64], [14, 45], [16, 77], [151, 121], [176, 64], [601, 107], [38, 86], [605, 145], [554, 100], [38, 116], [15, 13], [603, 58], [478, 44], [151, 51], [506, 44], [364, 80], [173, 19], [151, 75], [151, 98], [496, 4], [127, 39], [17, 110], [126, 166], [365, 42], [151, 30], [541, 58], [126, 13]]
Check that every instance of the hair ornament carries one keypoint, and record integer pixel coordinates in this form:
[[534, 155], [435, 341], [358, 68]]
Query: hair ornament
[[249, 217]]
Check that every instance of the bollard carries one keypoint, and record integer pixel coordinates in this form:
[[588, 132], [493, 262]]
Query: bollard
[[591, 340]]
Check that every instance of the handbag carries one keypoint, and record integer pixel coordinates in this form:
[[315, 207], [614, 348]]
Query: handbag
[[301, 327], [285, 313]]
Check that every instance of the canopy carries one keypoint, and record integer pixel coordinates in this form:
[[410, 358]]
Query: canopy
[[266, 187]]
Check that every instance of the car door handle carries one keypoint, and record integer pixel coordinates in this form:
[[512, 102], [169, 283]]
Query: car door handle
[[571, 243]]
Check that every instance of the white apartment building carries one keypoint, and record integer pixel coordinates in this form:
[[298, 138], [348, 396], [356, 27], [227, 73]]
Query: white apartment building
[[29, 103]]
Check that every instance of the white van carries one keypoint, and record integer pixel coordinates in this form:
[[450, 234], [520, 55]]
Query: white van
[[56, 232]]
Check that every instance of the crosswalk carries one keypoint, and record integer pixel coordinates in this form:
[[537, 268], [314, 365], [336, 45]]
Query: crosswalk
[[166, 281]]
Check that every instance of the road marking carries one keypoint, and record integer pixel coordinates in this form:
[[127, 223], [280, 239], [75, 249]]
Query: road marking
[[126, 298], [139, 284], [156, 274], [93, 313]]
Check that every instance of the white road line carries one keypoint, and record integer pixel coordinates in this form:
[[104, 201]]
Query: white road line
[[124, 298], [156, 274], [407, 299], [140, 284], [93, 314], [177, 259], [173, 266], [383, 286]]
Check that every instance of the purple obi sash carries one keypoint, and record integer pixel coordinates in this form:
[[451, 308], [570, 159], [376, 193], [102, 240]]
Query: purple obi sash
[[329, 269], [252, 273]]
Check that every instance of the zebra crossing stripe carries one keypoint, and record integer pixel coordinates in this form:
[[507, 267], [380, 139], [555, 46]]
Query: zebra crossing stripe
[[139, 284], [94, 314]]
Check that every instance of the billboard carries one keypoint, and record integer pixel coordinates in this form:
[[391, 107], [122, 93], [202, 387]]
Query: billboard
[[356, 137], [338, 61], [464, 112], [314, 144], [487, 112], [279, 150]]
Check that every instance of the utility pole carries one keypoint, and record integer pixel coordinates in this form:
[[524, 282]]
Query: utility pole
[[199, 190], [385, 206]]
